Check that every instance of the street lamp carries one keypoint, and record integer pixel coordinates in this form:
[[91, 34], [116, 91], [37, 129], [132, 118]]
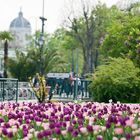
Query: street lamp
[[41, 40]]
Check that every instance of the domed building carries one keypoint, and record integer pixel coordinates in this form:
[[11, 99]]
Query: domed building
[[21, 29]]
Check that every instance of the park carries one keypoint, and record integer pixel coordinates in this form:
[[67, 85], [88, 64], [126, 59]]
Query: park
[[79, 82]]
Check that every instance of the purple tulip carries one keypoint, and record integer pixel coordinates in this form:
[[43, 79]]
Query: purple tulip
[[67, 118], [10, 134], [25, 132], [57, 131], [58, 124], [27, 121], [61, 116], [99, 138], [80, 121], [20, 120], [128, 136], [4, 131], [107, 124], [70, 128], [122, 121], [31, 117], [94, 111], [1, 120], [89, 128], [74, 122], [75, 133], [99, 115], [51, 125], [40, 135], [52, 114], [64, 124], [59, 108]]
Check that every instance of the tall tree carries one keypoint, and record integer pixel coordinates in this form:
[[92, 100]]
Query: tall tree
[[123, 37], [5, 36], [89, 29]]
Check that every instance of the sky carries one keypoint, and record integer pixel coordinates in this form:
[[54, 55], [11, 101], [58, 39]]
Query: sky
[[32, 10]]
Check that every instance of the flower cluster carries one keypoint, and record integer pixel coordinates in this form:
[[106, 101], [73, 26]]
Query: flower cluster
[[39, 89], [58, 121]]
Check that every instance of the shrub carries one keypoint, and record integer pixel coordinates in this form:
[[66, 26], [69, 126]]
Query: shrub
[[39, 89], [118, 80]]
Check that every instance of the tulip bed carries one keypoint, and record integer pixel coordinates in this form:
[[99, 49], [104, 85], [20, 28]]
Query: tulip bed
[[69, 121]]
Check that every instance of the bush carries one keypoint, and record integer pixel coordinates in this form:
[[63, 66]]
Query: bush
[[118, 80]]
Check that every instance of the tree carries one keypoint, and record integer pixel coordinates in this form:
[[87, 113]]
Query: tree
[[5, 36], [19, 67], [122, 38], [89, 29], [28, 64], [66, 46]]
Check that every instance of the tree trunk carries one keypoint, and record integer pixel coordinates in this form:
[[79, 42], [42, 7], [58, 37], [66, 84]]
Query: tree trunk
[[86, 66], [5, 58]]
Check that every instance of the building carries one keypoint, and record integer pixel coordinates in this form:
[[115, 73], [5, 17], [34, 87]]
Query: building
[[20, 29]]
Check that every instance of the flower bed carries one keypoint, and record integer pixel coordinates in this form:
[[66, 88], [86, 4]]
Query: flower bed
[[66, 121]]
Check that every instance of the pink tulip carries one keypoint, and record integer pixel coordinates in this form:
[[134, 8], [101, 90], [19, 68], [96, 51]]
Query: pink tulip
[[64, 132], [134, 126], [137, 138], [115, 138], [118, 131], [83, 130], [96, 127], [123, 138]]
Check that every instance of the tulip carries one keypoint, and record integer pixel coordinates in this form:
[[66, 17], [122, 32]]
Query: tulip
[[118, 131], [75, 133]]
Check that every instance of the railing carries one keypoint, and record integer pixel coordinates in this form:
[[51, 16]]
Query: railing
[[25, 91], [11, 89], [8, 89], [65, 88], [60, 88]]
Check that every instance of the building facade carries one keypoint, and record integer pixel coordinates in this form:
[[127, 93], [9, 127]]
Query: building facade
[[20, 29]]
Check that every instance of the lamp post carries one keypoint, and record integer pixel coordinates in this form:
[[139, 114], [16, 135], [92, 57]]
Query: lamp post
[[41, 40], [76, 81], [72, 60]]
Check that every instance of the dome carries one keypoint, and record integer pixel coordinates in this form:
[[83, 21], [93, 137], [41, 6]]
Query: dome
[[20, 22]]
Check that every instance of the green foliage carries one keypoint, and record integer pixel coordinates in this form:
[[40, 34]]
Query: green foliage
[[117, 32], [5, 35], [40, 89], [21, 67], [118, 80], [122, 37], [88, 30], [66, 45], [133, 45], [26, 65]]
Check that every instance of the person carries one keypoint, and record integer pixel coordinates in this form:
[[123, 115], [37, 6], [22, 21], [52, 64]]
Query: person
[[34, 81], [71, 79], [1, 75], [35, 84]]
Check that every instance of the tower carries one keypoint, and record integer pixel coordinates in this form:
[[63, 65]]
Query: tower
[[20, 29]]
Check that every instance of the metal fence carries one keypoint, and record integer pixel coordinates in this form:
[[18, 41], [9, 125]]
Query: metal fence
[[11, 89], [8, 89]]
